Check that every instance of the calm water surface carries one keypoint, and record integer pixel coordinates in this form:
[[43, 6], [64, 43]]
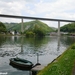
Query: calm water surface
[[47, 48]]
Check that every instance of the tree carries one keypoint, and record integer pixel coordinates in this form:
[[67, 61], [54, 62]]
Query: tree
[[68, 28], [30, 34], [39, 32], [2, 27]]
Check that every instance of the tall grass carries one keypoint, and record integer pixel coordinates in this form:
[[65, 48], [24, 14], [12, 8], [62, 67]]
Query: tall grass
[[63, 65]]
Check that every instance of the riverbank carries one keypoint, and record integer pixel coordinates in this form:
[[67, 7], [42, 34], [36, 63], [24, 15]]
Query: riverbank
[[63, 65]]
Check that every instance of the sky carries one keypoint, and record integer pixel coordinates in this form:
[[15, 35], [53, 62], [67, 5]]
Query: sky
[[55, 9]]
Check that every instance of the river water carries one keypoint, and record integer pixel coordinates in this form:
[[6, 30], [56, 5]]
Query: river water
[[48, 48]]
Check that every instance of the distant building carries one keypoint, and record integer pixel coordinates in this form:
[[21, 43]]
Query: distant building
[[64, 33], [12, 32]]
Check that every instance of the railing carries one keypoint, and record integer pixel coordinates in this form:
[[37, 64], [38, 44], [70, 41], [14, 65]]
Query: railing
[[36, 18]]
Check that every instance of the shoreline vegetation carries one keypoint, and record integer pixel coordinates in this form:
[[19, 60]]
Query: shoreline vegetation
[[62, 65]]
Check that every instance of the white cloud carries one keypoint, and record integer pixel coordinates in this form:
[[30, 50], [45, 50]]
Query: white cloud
[[59, 16], [62, 9], [63, 15], [13, 7], [58, 6], [30, 12]]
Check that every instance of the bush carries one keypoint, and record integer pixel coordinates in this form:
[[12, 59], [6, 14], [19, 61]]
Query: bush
[[73, 47], [30, 34], [2, 28], [39, 32]]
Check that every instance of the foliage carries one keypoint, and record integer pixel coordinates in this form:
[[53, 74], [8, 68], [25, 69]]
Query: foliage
[[2, 27], [68, 28], [39, 32], [12, 26], [30, 34], [63, 65], [73, 47]]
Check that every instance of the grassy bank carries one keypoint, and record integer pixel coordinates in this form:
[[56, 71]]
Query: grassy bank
[[63, 65]]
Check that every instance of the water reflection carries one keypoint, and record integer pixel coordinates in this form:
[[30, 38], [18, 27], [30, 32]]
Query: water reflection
[[58, 46], [22, 46], [14, 44], [34, 45], [2, 40], [48, 49]]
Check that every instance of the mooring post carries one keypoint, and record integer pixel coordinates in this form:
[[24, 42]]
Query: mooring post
[[37, 58], [22, 26], [58, 28]]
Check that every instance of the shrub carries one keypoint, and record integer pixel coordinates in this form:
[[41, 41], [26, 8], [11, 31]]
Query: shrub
[[2, 27], [30, 34], [39, 32]]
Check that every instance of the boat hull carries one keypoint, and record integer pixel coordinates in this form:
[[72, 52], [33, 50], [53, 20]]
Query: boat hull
[[21, 65]]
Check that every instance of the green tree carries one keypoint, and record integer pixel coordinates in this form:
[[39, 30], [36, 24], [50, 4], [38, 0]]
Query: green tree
[[30, 34], [2, 27], [39, 32], [68, 28]]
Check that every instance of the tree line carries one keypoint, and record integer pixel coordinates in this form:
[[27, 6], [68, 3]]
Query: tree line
[[68, 28], [2, 28]]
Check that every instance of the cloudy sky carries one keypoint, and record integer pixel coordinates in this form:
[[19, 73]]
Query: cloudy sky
[[58, 9]]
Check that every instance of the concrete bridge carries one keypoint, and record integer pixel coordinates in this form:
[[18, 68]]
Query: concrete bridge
[[36, 18]]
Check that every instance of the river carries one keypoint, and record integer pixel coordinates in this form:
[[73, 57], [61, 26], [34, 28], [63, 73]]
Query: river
[[48, 48]]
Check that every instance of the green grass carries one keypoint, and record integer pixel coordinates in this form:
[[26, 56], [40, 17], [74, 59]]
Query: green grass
[[63, 65]]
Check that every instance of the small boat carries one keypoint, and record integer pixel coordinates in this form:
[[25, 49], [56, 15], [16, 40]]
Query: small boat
[[21, 63]]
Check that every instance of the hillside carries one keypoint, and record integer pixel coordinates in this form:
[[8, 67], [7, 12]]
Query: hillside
[[29, 26], [68, 28], [10, 26]]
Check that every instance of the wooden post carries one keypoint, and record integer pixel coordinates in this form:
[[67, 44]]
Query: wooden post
[[37, 58]]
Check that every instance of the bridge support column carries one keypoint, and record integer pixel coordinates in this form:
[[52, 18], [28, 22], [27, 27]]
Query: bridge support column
[[58, 28], [22, 26]]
